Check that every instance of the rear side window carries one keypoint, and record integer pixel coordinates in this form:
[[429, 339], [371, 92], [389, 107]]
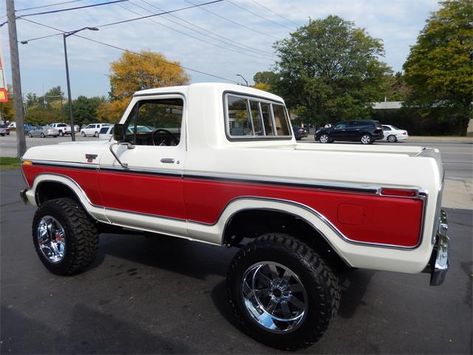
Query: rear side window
[[250, 117], [103, 130]]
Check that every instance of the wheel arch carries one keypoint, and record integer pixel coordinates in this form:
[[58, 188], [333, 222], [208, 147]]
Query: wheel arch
[[51, 186], [251, 217]]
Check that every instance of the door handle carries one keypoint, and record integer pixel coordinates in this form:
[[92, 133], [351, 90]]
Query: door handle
[[167, 160]]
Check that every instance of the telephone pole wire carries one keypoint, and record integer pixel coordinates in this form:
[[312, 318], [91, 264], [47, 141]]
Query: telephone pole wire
[[16, 80]]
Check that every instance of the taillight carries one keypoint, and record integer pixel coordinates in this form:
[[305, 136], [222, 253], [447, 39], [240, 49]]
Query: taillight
[[388, 191]]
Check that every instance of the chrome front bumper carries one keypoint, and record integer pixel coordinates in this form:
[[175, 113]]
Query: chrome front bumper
[[438, 265]]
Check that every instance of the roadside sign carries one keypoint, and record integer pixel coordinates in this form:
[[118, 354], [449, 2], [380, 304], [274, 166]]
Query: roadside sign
[[3, 89]]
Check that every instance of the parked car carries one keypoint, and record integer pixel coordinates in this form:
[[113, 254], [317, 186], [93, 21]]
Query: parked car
[[393, 134], [62, 127], [364, 131], [4, 130], [106, 132], [46, 131], [93, 129], [299, 132]]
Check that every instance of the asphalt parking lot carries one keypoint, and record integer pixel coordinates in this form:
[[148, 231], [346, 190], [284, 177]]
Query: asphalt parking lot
[[162, 295]]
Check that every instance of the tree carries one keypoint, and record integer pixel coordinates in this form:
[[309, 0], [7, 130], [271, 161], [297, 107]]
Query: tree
[[439, 68], [138, 71], [85, 109], [330, 70], [265, 80]]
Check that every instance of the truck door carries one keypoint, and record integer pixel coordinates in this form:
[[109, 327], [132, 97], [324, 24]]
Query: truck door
[[141, 178]]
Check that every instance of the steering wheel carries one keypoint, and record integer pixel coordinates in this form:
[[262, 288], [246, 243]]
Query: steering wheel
[[165, 139]]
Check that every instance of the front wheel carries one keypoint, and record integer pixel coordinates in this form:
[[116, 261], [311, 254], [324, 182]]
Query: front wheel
[[282, 293], [82, 134], [64, 236]]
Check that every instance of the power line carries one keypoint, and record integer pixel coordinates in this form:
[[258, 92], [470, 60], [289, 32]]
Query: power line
[[275, 13], [195, 37], [127, 50], [257, 15], [235, 22], [159, 14], [204, 32], [70, 8], [50, 5]]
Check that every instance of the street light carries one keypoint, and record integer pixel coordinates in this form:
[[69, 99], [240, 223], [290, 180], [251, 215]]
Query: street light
[[69, 100], [241, 76]]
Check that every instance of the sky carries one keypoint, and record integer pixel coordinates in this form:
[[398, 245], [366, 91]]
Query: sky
[[214, 42]]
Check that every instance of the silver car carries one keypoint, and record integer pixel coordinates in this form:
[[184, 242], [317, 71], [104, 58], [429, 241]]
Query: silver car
[[43, 132]]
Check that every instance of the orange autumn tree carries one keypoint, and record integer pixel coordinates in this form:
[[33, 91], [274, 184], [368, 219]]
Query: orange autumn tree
[[138, 71]]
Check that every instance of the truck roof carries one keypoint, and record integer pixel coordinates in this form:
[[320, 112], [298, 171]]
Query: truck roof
[[210, 86]]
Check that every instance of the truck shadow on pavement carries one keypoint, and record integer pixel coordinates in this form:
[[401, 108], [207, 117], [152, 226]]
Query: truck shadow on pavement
[[194, 259]]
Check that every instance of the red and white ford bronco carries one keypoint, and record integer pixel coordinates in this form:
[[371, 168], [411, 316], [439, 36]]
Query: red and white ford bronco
[[218, 164]]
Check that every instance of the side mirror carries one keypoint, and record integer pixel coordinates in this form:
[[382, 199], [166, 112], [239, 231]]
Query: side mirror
[[119, 132]]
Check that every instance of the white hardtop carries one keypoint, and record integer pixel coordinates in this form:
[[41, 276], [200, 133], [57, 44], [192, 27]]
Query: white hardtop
[[207, 87]]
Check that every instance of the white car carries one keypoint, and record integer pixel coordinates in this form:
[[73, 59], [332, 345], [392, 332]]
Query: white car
[[393, 134], [92, 129], [106, 132], [62, 127]]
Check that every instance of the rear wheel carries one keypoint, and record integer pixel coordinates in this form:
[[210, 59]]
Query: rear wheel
[[392, 138], [96, 134], [30, 135], [61, 133], [64, 236], [324, 138], [282, 293], [366, 139], [42, 135]]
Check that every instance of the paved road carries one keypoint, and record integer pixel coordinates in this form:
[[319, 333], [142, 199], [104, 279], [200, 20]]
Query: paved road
[[161, 295]]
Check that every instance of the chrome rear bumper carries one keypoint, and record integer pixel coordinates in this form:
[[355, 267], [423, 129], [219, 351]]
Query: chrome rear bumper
[[438, 265]]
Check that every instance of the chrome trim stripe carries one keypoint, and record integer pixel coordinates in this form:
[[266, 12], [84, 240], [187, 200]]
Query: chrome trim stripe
[[65, 164], [262, 179]]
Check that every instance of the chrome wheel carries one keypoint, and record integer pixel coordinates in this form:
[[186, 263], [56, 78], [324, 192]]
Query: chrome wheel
[[274, 297], [366, 139], [51, 239], [323, 138]]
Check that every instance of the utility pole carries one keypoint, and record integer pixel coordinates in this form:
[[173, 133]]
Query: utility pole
[[16, 80]]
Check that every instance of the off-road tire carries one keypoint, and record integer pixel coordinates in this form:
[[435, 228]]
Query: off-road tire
[[81, 235], [320, 283]]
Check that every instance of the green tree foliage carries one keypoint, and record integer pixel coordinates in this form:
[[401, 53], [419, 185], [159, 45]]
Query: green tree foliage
[[84, 109], [266, 80], [330, 70], [439, 68]]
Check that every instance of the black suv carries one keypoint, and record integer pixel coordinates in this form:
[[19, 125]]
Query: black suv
[[364, 131]]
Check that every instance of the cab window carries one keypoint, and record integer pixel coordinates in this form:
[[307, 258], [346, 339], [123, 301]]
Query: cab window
[[155, 122]]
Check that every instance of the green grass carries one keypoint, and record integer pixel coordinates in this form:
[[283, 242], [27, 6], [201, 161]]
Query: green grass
[[9, 163]]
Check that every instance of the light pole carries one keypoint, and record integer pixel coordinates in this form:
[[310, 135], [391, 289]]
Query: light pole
[[241, 76], [69, 100]]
